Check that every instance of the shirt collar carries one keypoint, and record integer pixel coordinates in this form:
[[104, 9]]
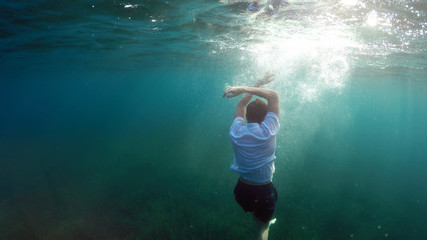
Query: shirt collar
[[252, 125]]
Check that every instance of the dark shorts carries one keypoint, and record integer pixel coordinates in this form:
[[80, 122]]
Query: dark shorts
[[259, 200]]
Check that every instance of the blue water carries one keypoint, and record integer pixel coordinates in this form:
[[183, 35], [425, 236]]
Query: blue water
[[113, 125]]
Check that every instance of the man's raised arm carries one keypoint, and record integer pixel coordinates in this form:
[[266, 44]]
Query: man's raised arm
[[241, 106], [270, 95]]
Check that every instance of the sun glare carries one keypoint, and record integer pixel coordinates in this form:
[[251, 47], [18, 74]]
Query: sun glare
[[372, 19], [349, 2], [319, 57]]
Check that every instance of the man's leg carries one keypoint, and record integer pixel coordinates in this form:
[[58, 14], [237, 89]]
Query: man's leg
[[263, 228], [264, 211], [263, 231]]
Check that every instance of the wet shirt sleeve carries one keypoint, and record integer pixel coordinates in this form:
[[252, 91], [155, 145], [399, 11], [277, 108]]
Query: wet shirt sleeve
[[271, 123], [236, 126]]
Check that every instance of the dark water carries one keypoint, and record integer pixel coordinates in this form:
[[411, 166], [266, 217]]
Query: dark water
[[112, 124]]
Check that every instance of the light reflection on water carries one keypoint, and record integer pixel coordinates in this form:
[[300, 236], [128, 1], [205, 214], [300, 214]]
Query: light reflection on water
[[324, 41]]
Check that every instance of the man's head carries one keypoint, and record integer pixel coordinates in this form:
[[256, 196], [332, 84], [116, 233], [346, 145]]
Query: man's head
[[256, 111]]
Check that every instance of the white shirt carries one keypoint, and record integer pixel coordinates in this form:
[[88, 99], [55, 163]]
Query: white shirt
[[254, 148]]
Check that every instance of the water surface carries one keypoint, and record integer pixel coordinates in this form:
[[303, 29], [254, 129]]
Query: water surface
[[112, 124]]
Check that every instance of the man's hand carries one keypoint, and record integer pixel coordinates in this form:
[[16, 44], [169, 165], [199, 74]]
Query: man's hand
[[266, 79], [233, 92], [236, 91]]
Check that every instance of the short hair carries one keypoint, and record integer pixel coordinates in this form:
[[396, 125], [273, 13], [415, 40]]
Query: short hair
[[256, 111]]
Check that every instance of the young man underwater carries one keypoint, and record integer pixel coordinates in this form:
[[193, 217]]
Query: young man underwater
[[254, 145]]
